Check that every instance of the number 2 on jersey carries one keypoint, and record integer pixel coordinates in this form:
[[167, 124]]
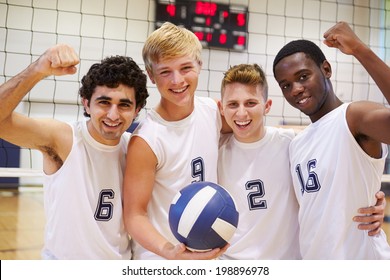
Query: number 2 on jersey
[[257, 192]]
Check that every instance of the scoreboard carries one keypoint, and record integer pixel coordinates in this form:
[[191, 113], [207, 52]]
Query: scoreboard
[[216, 25]]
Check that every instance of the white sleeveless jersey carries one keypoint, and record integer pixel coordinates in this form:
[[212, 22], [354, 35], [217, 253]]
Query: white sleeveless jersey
[[258, 178], [186, 151], [333, 177], [83, 201]]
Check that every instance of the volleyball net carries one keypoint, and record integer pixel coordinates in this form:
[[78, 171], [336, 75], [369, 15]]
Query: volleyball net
[[97, 29]]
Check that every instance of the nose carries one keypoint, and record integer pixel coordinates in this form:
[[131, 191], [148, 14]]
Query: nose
[[241, 110], [177, 77], [297, 88], [113, 113]]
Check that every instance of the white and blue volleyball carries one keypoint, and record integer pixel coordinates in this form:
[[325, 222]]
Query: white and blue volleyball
[[203, 216]]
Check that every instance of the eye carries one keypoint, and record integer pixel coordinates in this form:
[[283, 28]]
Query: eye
[[164, 73], [284, 86], [187, 68], [104, 102], [303, 77], [251, 103], [125, 105], [232, 105]]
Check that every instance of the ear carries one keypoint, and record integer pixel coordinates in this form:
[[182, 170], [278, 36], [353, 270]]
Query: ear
[[137, 110], [200, 65], [267, 106], [326, 69], [220, 107], [86, 105], [225, 127]]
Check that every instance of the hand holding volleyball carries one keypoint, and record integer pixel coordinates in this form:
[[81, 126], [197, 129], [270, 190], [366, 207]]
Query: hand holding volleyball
[[203, 216]]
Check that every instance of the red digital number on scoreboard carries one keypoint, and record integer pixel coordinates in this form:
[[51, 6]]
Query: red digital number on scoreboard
[[216, 25], [205, 8]]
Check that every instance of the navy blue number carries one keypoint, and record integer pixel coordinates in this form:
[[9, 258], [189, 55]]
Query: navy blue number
[[104, 208], [254, 198], [312, 183], [197, 169]]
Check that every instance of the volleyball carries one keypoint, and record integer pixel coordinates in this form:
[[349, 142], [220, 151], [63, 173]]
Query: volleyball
[[203, 216]]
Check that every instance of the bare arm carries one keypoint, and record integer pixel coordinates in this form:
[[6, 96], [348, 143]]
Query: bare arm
[[58, 60], [53, 138], [369, 124], [375, 122], [341, 36], [138, 186], [21, 130]]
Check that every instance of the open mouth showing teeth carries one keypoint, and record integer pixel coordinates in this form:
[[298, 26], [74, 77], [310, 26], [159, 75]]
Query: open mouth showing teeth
[[242, 123], [304, 100], [111, 124], [179, 90]]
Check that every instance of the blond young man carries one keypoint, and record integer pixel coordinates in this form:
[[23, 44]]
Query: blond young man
[[175, 145]]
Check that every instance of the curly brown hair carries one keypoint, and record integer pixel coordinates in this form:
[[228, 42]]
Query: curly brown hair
[[111, 72]]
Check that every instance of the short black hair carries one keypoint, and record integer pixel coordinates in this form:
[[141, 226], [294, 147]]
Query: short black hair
[[307, 47]]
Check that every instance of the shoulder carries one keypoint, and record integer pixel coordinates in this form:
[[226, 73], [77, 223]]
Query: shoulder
[[360, 113], [282, 132], [208, 107], [125, 138], [147, 132], [148, 123], [65, 131], [362, 106], [206, 101], [295, 129]]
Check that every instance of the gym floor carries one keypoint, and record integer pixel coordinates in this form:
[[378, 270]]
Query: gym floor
[[22, 223]]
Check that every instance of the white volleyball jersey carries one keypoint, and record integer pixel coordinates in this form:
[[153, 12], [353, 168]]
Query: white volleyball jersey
[[333, 177], [83, 201], [186, 151], [258, 178]]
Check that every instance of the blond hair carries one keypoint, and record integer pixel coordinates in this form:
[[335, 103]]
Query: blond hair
[[247, 74], [170, 41]]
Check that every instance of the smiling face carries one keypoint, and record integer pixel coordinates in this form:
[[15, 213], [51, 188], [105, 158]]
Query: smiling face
[[305, 85], [176, 80], [112, 111], [244, 108]]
